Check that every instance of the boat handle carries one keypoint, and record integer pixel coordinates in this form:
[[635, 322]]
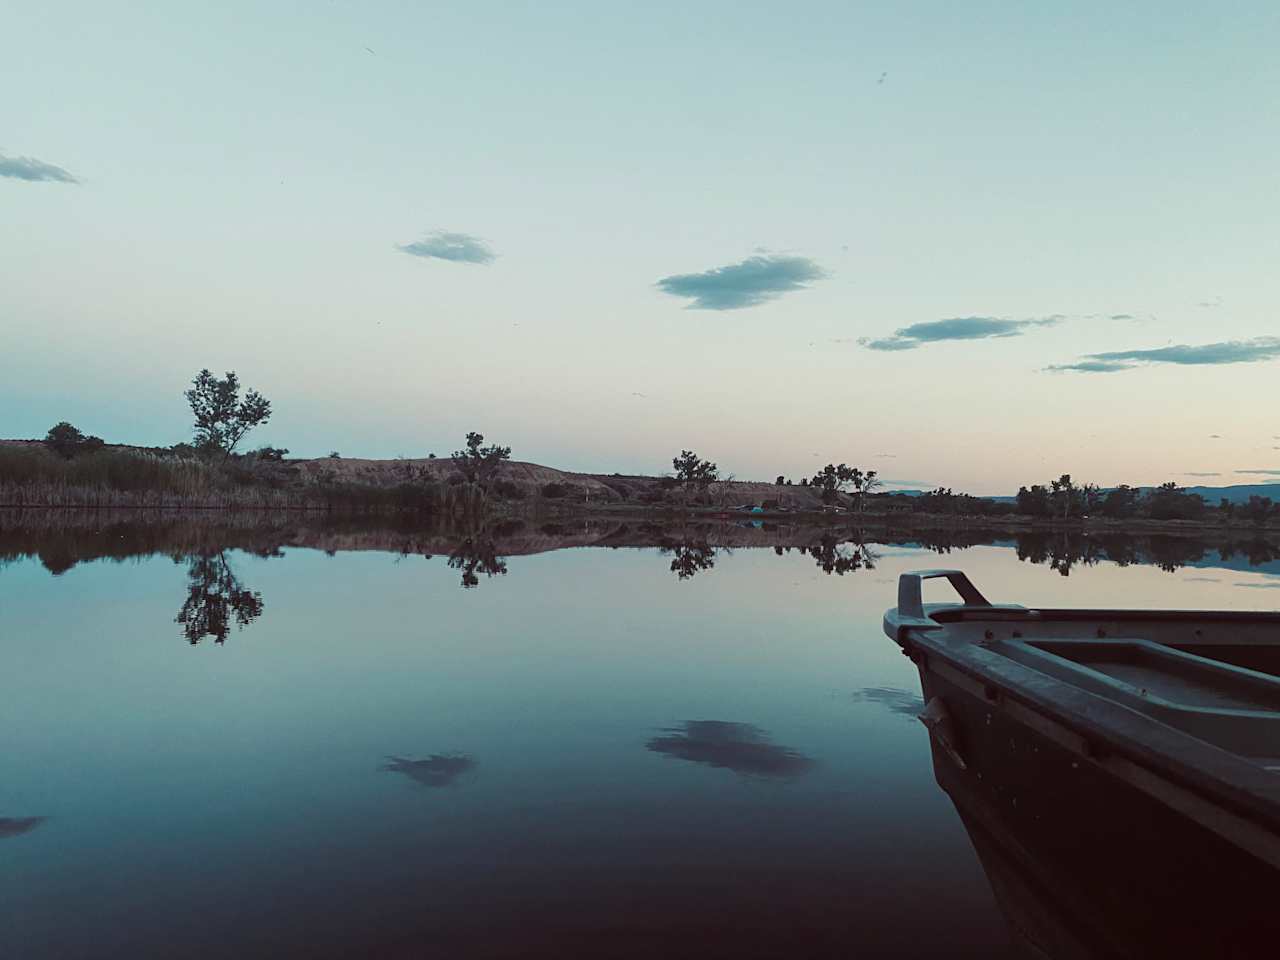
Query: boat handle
[[910, 599]]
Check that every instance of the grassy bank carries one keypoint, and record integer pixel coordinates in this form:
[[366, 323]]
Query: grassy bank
[[33, 477]]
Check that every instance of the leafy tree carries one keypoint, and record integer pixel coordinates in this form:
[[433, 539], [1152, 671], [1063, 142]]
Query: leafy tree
[[833, 479], [1121, 503], [67, 441], [1227, 508], [1034, 502], [870, 484], [1170, 502], [1065, 496], [222, 417], [693, 472], [1090, 498], [1258, 509], [477, 462], [272, 454], [781, 481]]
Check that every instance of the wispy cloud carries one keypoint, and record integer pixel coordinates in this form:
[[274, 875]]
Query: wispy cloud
[[1123, 316], [956, 328], [1229, 351], [443, 245], [1193, 473], [1260, 473], [1090, 366], [754, 281], [29, 168]]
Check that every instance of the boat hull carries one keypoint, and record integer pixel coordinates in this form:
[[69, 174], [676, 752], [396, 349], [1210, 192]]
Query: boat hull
[[1086, 864]]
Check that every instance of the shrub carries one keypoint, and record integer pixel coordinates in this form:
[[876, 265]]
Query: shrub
[[508, 490], [621, 489], [270, 454], [67, 441]]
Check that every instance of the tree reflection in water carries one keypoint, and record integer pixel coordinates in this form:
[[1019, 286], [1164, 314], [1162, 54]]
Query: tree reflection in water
[[216, 599], [689, 559], [474, 556], [834, 556]]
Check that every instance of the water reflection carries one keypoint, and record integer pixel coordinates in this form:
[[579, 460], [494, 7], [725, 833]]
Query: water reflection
[[840, 557], [438, 770], [16, 826], [62, 539], [740, 747], [216, 599], [891, 698], [1062, 550], [688, 559], [474, 556]]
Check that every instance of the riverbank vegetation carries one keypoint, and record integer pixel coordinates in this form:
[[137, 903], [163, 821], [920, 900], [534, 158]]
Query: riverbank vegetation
[[69, 468]]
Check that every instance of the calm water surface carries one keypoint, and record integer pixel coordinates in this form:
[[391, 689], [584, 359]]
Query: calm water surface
[[597, 752]]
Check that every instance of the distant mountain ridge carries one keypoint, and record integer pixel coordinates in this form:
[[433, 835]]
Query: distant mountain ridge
[[1236, 493]]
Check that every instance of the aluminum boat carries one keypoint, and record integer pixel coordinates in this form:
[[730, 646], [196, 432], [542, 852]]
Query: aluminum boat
[[1117, 770]]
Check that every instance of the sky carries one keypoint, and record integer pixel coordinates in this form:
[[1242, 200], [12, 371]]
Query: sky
[[977, 245]]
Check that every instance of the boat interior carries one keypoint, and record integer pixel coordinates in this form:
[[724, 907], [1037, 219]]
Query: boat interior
[[1213, 676]]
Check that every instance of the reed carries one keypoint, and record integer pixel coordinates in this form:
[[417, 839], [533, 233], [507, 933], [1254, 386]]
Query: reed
[[32, 476]]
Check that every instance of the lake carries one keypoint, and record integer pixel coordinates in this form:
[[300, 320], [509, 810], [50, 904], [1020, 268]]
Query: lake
[[348, 739]]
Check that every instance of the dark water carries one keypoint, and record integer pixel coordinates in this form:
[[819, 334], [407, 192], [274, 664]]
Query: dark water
[[285, 741]]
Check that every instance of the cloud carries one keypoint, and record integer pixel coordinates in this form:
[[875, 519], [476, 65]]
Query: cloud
[[29, 168], [889, 343], [1260, 473], [1089, 366], [458, 247], [1228, 351], [750, 283], [1123, 316], [1215, 436], [1258, 586], [1192, 473], [955, 328]]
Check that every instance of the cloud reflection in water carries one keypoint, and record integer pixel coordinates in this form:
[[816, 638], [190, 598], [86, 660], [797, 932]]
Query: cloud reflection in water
[[438, 770], [740, 747]]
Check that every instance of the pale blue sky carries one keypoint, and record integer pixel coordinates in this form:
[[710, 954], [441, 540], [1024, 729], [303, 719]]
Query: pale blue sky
[[248, 174]]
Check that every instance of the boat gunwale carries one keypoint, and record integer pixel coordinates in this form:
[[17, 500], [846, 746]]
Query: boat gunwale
[[1110, 731], [951, 613]]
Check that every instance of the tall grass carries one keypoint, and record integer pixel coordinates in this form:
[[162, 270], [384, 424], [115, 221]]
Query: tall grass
[[33, 476]]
